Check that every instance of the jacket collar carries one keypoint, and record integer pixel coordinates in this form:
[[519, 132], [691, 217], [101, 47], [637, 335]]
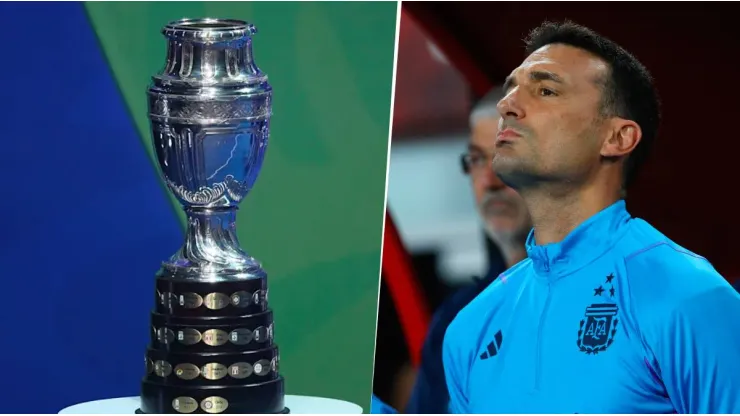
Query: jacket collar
[[587, 242]]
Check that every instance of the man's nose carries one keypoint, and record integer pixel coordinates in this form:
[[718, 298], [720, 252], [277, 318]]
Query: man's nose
[[509, 106]]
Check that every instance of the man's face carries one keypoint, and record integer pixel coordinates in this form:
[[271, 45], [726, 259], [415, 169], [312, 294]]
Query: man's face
[[501, 207], [551, 129]]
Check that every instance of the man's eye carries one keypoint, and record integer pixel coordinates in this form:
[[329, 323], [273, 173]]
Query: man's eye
[[545, 92], [476, 159]]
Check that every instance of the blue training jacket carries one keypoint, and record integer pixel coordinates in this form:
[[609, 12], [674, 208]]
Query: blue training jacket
[[616, 318]]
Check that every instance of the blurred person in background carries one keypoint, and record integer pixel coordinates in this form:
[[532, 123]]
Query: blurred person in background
[[606, 314], [506, 222], [504, 214]]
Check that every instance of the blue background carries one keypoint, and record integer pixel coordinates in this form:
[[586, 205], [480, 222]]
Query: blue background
[[79, 196]]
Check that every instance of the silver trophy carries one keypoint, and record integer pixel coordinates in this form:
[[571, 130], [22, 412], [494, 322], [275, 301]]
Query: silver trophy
[[212, 346]]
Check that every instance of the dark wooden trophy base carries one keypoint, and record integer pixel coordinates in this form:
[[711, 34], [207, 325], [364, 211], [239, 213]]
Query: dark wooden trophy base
[[212, 350]]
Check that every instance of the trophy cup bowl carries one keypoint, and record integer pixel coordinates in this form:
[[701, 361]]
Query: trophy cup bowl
[[211, 347]]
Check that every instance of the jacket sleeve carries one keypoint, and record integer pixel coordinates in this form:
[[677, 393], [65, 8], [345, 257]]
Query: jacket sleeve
[[455, 369], [698, 350]]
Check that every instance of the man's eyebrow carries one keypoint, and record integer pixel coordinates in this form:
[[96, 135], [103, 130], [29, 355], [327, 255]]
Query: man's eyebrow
[[545, 76], [536, 76]]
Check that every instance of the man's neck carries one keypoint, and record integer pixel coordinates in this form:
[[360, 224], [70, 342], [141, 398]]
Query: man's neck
[[556, 214]]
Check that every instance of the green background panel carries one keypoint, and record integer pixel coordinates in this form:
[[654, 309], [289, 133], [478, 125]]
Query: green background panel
[[315, 216]]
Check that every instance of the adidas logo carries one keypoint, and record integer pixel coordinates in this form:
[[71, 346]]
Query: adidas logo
[[493, 346]]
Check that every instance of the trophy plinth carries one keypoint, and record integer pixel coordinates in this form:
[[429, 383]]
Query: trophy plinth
[[212, 348]]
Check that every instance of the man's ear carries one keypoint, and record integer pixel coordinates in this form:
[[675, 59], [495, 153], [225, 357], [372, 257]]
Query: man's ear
[[624, 135]]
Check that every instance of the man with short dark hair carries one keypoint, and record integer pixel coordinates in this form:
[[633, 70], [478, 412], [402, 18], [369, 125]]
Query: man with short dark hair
[[606, 315]]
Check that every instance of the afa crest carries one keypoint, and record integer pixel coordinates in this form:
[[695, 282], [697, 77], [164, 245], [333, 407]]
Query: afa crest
[[598, 328]]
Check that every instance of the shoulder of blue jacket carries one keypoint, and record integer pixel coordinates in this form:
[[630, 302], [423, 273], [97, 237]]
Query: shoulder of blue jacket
[[378, 406], [663, 271]]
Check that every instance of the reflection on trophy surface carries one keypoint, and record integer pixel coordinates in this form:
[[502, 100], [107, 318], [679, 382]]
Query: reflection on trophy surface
[[211, 344]]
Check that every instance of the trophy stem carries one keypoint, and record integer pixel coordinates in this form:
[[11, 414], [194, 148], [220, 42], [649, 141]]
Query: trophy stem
[[211, 251]]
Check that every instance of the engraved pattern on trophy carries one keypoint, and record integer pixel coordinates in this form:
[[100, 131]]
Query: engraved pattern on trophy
[[212, 346], [210, 111]]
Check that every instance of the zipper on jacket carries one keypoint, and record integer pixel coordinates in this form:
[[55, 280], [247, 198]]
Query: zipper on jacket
[[538, 358]]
